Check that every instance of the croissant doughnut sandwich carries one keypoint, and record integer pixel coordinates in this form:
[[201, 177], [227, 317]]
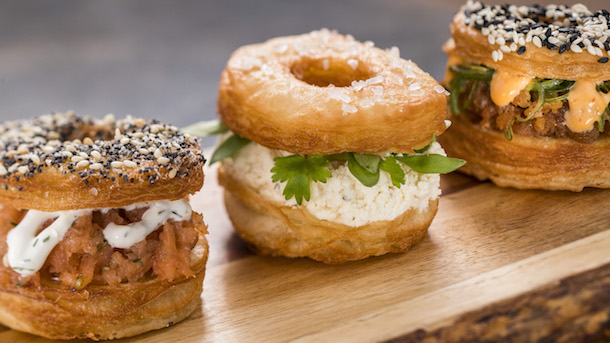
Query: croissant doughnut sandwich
[[530, 88], [331, 153], [97, 237]]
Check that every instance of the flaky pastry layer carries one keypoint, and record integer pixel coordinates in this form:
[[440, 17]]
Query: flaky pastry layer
[[274, 229], [324, 93], [528, 162]]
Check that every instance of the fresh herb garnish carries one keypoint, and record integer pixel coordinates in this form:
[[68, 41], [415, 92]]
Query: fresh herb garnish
[[228, 148], [367, 171], [46, 239], [392, 167], [298, 171], [13, 223], [431, 163]]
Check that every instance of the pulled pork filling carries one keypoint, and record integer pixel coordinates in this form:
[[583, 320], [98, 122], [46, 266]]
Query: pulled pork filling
[[84, 257], [549, 121], [538, 110]]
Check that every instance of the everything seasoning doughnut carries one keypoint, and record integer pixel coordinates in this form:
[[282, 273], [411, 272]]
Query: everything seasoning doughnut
[[332, 153], [96, 237], [530, 95]]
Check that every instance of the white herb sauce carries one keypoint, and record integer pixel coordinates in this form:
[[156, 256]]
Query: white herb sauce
[[27, 252]]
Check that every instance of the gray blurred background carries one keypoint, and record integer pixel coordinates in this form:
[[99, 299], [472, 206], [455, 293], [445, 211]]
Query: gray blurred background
[[162, 59]]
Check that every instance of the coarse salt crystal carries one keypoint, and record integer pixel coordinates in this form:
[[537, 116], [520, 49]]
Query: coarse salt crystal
[[375, 80], [267, 70], [414, 86], [337, 94], [358, 85], [347, 108], [439, 89], [353, 63]]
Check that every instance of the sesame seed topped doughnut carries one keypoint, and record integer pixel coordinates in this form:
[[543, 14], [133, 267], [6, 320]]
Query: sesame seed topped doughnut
[[555, 41], [327, 93], [60, 162]]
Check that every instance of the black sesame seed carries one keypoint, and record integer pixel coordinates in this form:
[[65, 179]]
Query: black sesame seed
[[563, 48], [112, 178], [603, 60]]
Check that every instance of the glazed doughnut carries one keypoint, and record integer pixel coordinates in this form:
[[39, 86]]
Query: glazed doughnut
[[531, 97], [97, 238], [326, 93]]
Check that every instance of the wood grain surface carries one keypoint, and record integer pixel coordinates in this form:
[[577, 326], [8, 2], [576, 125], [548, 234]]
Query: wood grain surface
[[498, 264]]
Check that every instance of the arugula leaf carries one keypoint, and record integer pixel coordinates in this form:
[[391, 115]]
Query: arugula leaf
[[228, 148], [424, 149], [298, 171], [431, 164], [206, 128], [392, 167], [368, 162], [363, 175]]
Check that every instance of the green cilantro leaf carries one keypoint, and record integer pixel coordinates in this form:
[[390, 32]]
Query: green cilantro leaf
[[392, 167], [361, 173], [228, 148], [431, 164], [206, 128], [297, 171]]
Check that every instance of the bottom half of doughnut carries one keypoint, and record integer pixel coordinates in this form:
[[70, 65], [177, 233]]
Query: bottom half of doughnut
[[275, 229], [528, 162], [88, 289]]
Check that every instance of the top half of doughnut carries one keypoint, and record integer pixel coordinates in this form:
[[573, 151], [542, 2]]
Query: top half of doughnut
[[60, 162], [327, 93], [553, 42]]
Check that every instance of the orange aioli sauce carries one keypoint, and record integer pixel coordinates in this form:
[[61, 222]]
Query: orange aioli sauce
[[586, 105], [505, 87]]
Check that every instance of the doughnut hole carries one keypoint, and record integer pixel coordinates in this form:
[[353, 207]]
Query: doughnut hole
[[323, 72]]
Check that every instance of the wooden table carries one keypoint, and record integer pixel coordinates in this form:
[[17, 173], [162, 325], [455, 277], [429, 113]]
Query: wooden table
[[498, 264]]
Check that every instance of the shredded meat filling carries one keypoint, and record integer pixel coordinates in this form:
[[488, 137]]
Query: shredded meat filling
[[84, 257], [549, 121]]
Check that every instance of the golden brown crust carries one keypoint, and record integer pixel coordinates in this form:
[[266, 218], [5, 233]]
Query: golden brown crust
[[472, 45], [54, 191], [58, 162], [278, 230], [261, 98], [100, 312], [528, 162]]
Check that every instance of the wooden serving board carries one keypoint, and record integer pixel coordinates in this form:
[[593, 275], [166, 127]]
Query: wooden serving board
[[498, 264]]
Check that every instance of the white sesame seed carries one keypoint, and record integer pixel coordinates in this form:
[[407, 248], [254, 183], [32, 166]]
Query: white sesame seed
[[163, 160], [3, 170], [143, 151], [35, 159], [70, 148], [22, 169], [494, 55], [500, 40], [124, 140], [82, 164], [575, 48], [172, 173], [500, 55], [66, 154], [76, 159], [116, 164], [96, 154], [553, 40], [88, 141], [130, 164], [158, 153], [537, 41], [96, 166], [591, 49], [13, 167], [505, 48], [491, 39]]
